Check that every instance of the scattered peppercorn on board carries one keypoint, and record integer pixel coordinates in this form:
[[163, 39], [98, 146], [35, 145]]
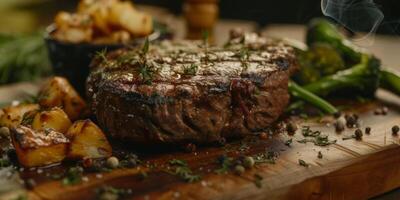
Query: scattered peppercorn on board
[[286, 167]]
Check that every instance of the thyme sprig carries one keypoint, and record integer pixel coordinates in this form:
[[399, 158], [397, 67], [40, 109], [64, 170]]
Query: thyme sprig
[[146, 74], [303, 163], [102, 55], [190, 70], [258, 180], [267, 157], [109, 192], [226, 163], [146, 46], [315, 137], [183, 171], [73, 176], [205, 36], [145, 71], [244, 56]]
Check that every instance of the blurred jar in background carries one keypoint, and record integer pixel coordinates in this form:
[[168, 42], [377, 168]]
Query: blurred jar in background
[[200, 16]]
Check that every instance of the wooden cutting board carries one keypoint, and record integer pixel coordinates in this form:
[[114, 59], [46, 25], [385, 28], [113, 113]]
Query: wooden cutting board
[[349, 169]]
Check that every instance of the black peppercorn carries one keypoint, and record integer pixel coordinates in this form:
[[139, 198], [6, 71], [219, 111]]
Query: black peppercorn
[[367, 130], [320, 155], [395, 130], [351, 120], [358, 134], [291, 128]]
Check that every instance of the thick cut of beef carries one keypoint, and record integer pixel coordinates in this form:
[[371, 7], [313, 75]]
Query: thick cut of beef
[[185, 91]]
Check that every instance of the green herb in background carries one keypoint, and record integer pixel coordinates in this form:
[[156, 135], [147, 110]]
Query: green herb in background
[[23, 58]]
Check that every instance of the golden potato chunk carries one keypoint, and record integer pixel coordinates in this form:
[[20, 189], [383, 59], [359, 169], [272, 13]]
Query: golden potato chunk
[[124, 15], [74, 28], [58, 92], [55, 119], [87, 141], [38, 148], [12, 115]]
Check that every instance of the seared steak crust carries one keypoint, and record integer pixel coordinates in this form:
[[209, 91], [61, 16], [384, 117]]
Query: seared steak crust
[[179, 92]]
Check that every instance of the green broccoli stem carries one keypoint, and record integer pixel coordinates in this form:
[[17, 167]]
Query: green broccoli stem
[[322, 31], [299, 92], [390, 80], [362, 78]]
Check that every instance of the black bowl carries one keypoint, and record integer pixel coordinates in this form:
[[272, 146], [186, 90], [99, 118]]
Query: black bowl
[[72, 60]]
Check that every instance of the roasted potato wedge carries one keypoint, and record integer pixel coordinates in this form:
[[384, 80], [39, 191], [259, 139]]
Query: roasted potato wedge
[[87, 141], [58, 92], [124, 15], [74, 28], [38, 148], [12, 115], [55, 119]]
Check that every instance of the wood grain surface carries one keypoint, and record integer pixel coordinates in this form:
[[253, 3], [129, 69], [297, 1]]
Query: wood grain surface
[[349, 169]]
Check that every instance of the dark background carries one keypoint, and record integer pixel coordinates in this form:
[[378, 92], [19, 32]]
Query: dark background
[[266, 12], [263, 12]]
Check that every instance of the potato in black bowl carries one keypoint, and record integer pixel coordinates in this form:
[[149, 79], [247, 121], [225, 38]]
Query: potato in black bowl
[[75, 38]]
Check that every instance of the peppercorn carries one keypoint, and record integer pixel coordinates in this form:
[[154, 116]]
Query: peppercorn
[[340, 124], [4, 132], [367, 130], [358, 134], [320, 155], [351, 120], [112, 162], [395, 130], [248, 162], [291, 128], [239, 169]]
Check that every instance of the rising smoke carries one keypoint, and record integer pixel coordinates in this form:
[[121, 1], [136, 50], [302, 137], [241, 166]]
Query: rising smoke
[[356, 15]]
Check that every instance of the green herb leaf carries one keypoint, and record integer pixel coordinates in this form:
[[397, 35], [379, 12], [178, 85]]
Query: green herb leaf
[[303, 163], [102, 55], [226, 164], [268, 157], [177, 162], [205, 35], [73, 176], [145, 47], [191, 70], [109, 192], [146, 74], [4, 162], [257, 180], [183, 171], [289, 142]]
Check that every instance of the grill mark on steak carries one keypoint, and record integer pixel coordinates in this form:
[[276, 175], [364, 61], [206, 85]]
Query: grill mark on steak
[[227, 96]]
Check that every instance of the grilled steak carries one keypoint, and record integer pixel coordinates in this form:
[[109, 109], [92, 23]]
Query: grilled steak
[[179, 92]]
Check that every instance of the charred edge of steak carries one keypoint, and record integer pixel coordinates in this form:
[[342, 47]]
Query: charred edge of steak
[[194, 94]]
